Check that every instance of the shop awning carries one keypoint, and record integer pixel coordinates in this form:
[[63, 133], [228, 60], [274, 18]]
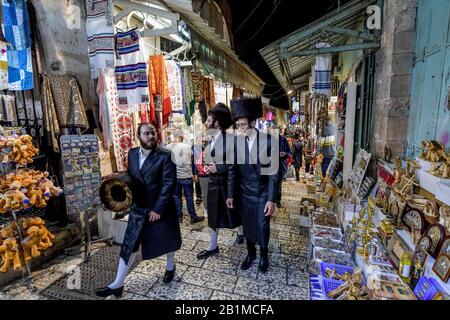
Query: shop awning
[[290, 58], [214, 53]]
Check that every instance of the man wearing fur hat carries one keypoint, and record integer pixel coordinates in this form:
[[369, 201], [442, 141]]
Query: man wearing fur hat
[[219, 171], [256, 175]]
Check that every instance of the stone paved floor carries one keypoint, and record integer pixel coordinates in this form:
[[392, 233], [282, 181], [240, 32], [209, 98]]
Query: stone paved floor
[[218, 277]]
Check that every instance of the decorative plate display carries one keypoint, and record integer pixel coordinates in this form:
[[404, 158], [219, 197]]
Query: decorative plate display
[[437, 234], [414, 220]]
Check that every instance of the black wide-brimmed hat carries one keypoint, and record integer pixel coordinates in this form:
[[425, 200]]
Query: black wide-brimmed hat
[[223, 115], [246, 108]]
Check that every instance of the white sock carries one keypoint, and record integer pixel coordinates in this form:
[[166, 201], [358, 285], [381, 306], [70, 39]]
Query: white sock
[[122, 272], [170, 261], [240, 231], [214, 233]]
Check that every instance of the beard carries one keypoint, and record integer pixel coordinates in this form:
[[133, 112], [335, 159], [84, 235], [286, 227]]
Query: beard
[[148, 146]]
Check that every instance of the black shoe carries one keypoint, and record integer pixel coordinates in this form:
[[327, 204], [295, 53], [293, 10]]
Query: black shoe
[[107, 291], [240, 239], [169, 275], [207, 253], [247, 263], [278, 204], [197, 219], [263, 264]]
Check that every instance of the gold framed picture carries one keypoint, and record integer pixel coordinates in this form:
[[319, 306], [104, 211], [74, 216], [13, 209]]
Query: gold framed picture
[[446, 246], [441, 267]]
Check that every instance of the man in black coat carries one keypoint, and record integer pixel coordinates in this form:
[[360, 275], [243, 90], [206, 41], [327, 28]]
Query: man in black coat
[[153, 222], [219, 172], [297, 154], [257, 165], [285, 153]]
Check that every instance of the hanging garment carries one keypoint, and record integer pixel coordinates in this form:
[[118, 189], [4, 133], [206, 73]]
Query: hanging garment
[[100, 34], [188, 96], [174, 85], [8, 111], [159, 90], [51, 124], [209, 92], [67, 100], [17, 33], [198, 86], [3, 66], [322, 72], [131, 70]]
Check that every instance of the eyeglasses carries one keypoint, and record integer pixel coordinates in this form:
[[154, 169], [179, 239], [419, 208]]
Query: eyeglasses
[[242, 125]]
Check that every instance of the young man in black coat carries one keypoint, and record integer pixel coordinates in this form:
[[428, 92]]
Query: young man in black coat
[[219, 171], [153, 221], [257, 165]]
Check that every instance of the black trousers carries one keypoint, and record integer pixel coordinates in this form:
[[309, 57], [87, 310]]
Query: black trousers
[[308, 167], [251, 249], [297, 172]]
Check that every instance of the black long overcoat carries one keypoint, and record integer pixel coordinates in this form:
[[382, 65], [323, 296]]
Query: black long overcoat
[[154, 185]]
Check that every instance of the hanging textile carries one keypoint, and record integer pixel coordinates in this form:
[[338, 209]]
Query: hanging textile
[[16, 27], [159, 90], [210, 98], [188, 96], [174, 85], [51, 124], [68, 102], [121, 120], [103, 109], [220, 92], [100, 34], [322, 72], [131, 70], [3, 66], [8, 111], [198, 87]]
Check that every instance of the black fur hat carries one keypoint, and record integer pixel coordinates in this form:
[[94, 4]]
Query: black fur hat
[[222, 114], [246, 108]]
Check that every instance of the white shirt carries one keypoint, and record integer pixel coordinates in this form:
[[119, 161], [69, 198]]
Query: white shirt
[[143, 154], [251, 141], [215, 138], [182, 156]]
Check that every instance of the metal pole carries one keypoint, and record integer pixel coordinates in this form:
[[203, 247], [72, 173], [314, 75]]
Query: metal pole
[[30, 280]]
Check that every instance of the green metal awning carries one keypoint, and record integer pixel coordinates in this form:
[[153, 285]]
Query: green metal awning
[[214, 53], [290, 58]]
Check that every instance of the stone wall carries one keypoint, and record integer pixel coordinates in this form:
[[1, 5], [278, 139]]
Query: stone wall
[[394, 63], [62, 30]]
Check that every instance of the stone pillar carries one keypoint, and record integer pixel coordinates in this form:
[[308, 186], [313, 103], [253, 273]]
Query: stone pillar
[[394, 63], [62, 30]]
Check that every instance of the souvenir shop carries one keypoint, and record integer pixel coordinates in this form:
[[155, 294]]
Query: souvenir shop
[[386, 236]]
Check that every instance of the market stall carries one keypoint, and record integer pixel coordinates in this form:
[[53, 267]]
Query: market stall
[[383, 237]]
